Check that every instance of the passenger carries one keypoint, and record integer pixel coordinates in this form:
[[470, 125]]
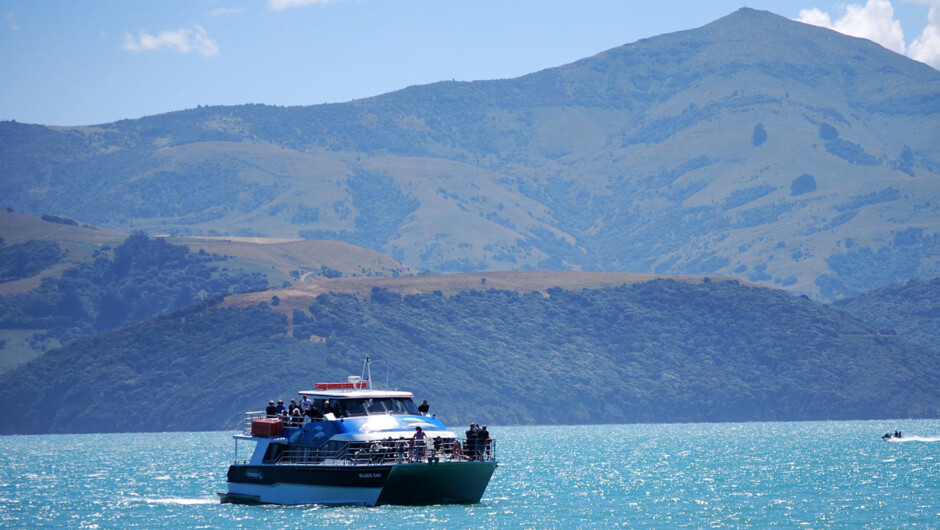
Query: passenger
[[376, 453], [328, 408], [305, 404], [472, 441], [424, 408], [271, 411], [339, 408], [438, 445], [419, 441], [296, 417], [484, 440], [292, 406], [281, 411], [314, 413], [457, 451], [400, 449]]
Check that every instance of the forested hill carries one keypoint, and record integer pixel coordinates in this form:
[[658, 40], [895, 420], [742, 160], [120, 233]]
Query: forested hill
[[911, 309], [755, 146], [135, 280], [657, 351]]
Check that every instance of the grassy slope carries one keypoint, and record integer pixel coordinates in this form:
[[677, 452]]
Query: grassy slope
[[522, 282], [275, 258], [79, 242], [278, 258]]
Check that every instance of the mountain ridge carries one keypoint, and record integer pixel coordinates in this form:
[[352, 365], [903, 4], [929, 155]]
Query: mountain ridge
[[753, 146]]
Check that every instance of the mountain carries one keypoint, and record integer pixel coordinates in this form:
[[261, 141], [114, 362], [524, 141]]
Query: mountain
[[642, 351], [756, 146]]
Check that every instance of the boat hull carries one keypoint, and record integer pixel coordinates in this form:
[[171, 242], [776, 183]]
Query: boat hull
[[437, 483], [421, 483]]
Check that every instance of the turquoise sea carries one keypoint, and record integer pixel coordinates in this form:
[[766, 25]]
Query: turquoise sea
[[757, 475]]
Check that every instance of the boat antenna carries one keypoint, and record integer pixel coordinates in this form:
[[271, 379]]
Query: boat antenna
[[386, 374]]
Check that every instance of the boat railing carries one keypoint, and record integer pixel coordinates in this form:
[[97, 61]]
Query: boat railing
[[250, 417], [286, 421], [389, 452]]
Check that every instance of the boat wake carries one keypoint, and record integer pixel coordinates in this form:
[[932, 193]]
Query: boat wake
[[176, 501], [907, 438]]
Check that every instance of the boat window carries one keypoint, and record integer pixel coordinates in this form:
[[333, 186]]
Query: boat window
[[352, 407], [362, 407], [375, 406], [394, 406], [409, 406], [273, 452]]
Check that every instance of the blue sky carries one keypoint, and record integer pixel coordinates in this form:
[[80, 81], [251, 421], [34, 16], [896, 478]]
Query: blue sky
[[83, 63]]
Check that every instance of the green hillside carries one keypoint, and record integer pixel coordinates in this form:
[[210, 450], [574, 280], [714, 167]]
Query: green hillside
[[134, 281], [655, 351], [911, 309], [754, 146]]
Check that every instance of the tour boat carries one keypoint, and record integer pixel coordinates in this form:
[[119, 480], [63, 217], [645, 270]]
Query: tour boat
[[364, 450]]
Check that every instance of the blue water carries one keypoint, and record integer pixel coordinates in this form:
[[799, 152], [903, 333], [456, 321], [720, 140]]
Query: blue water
[[759, 475]]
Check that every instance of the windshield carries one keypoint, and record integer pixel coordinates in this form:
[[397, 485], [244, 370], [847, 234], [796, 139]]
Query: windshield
[[373, 406]]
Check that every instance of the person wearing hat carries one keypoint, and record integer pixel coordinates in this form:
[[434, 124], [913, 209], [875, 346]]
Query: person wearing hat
[[281, 411], [271, 411]]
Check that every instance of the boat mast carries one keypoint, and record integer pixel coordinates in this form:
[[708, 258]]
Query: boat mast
[[367, 372]]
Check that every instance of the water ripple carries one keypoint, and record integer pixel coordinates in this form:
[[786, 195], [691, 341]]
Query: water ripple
[[757, 475]]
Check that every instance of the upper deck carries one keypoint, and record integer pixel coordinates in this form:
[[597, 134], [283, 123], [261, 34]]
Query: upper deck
[[355, 393], [355, 387]]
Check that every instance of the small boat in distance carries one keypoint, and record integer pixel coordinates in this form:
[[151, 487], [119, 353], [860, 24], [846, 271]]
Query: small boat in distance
[[888, 436], [358, 445]]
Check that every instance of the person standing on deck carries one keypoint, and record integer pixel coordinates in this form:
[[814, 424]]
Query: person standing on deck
[[419, 442], [483, 438], [471, 444]]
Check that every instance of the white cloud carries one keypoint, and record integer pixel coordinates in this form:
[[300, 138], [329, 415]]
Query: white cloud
[[815, 17], [874, 21], [223, 11], [184, 40], [12, 24], [926, 47], [280, 5]]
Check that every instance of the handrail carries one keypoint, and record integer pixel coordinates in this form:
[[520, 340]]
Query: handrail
[[379, 452], [286, 421]]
